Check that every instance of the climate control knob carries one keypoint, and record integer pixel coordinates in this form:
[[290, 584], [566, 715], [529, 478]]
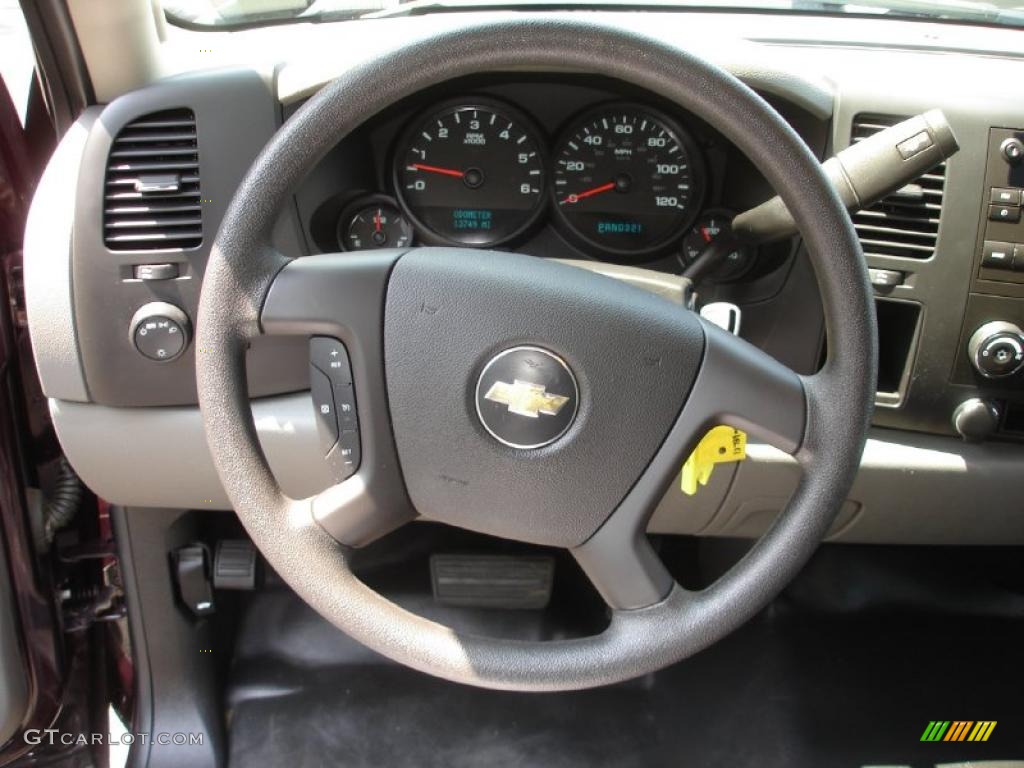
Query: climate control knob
[[160, 331], [996, 350]]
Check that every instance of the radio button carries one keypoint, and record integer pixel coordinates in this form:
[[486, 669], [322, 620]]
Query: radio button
[[1008, 213], [1004, 196], [997, 255]]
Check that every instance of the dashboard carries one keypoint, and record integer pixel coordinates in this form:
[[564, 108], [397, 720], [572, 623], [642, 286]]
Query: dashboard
[[558, 165]]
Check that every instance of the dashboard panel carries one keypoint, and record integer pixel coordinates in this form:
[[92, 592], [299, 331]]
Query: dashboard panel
[[940, 280]]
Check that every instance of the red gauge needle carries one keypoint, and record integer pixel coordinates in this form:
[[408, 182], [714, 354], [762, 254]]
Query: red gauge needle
[[705, 234], [590, 193], [435, 169], [376, 221]]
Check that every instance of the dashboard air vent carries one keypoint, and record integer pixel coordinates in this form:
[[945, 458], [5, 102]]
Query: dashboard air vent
[[906, 223], [151, 197]]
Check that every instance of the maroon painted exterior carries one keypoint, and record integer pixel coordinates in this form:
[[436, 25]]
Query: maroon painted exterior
[[32, 593]]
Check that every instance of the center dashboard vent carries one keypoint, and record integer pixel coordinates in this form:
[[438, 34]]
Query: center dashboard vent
[[906, 223], [151, 196]]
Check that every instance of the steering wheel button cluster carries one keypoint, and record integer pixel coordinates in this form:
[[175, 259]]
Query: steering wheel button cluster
[[334, 403]]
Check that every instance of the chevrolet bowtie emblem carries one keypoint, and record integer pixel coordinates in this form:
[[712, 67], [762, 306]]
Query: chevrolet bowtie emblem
[[549, 415], [526, 399]]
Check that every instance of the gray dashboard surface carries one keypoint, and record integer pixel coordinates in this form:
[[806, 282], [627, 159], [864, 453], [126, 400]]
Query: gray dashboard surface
[[824, 66], [912, 488], [47, 263]]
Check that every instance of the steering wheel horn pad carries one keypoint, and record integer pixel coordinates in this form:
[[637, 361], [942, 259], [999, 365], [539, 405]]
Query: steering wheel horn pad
[[421, 325], [449, 312]]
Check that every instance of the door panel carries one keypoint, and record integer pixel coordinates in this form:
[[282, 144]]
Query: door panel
[[13, 683]]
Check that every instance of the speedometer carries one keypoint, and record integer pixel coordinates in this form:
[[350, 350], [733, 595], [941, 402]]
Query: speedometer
[[627, 180], [471, 174]]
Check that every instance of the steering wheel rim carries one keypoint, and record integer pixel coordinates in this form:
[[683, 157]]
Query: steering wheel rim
[[244, 274]]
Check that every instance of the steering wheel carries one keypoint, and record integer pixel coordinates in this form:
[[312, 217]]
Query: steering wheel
[[618, 385]]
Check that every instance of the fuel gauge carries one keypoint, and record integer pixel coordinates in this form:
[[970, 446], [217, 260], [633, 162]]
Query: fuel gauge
[[709, 226], [372, 224]]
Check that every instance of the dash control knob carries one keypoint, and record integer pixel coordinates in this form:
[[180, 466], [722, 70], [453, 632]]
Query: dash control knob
[[160, 331], [976, 420], [1012, 150], [996, 350]]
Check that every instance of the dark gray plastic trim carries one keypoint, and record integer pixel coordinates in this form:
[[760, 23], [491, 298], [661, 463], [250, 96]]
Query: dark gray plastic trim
[[235, 116], [972, 101]]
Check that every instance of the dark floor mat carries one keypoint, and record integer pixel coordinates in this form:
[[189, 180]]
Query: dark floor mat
[[789, 689]]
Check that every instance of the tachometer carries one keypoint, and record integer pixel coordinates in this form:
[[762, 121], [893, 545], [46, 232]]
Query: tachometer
[[627, 181], [471, 174]]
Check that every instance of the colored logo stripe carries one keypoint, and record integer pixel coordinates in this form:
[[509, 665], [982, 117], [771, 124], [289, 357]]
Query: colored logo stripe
[[982, 730], [958, 730]]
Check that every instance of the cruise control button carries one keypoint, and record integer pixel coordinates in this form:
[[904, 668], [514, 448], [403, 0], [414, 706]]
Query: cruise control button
[[350, 449], [344, 458], [1010, 213], [997, 255], [331, 357], [1004, 196], [345, 405], [323, 404]]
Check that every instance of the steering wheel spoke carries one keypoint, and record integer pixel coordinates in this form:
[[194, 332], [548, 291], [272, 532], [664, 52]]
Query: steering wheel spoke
[[334, 294], [624, 568], [357, 513], [741, 386], [738, 385], [340, 298]]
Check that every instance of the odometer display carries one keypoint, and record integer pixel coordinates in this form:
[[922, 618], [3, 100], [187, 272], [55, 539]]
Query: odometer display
[[472, 175], [625, 181]]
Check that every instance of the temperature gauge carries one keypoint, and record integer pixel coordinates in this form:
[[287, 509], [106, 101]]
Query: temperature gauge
[[373, 224], [709, 226]]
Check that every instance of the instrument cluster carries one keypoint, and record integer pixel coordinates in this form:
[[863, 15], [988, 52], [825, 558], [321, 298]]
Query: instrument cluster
[[621, 181]]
